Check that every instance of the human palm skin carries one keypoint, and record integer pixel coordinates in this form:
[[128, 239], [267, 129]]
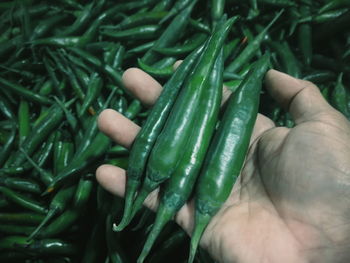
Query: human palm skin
[[291, 202]]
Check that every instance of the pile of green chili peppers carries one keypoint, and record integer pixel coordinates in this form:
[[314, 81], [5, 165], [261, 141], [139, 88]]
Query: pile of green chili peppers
[[61, 64]]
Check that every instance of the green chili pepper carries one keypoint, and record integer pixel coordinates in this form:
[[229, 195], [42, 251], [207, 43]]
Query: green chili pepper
[[277, 3], [117, 150], [49, 247], [46, 25], [326, 17], [45, 176], [227, 151], [112, 72], [170, 35], [24, 92], [177, 8], [156, 72], [201, 27], [57, 205], [118, 58], [188, 47], [73, 41], [42, 155], [68, 217], [179, 186], [140, 32], [21, 184], [8, 146], [85, 154], [141, 19], [318, 76], [305, 35], [250, 50], [333, 5], [22, 200], [150, 130], [327, 30], [80, 161], [62, 155], [133, 109], [23, 120], [289, 62], [121, 105], [217, 11], [11, 229], [162, 5], [140, 49], [47, 88], [6, 108], [93, 90], [80, 22], [340, 97], [180, 121], [21, 218], [39, 133]]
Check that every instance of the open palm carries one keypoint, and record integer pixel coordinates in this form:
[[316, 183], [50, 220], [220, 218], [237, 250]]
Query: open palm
[[291, 201]]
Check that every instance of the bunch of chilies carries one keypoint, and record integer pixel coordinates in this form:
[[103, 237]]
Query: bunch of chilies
[[182, 149]]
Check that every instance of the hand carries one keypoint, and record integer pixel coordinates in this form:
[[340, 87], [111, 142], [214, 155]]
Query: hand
[[291, 201]]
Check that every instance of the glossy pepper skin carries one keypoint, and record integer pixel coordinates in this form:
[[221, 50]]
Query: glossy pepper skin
[[226, 154], [250, 50], [179, 186], [39, 133], [170, 35], [175, 134], [147, 136]]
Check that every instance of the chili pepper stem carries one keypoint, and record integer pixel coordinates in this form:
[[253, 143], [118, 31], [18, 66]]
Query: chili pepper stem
[[164, 215], [147, 187], [201, 222], [137, 205], [132, 186], [47, 218]]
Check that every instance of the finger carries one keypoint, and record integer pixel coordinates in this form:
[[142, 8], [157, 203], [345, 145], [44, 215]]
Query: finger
[[226, 93], [301, 98], [142, 85], [113, 179], [119, 128], [177, 64]]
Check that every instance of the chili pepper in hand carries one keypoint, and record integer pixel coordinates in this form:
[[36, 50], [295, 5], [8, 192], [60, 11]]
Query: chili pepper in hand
[[179, 186], [227, 151], [175, 132], [150, 130]]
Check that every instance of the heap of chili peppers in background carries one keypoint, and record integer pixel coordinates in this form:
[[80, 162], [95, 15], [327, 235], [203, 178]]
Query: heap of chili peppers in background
[[61, 64]]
